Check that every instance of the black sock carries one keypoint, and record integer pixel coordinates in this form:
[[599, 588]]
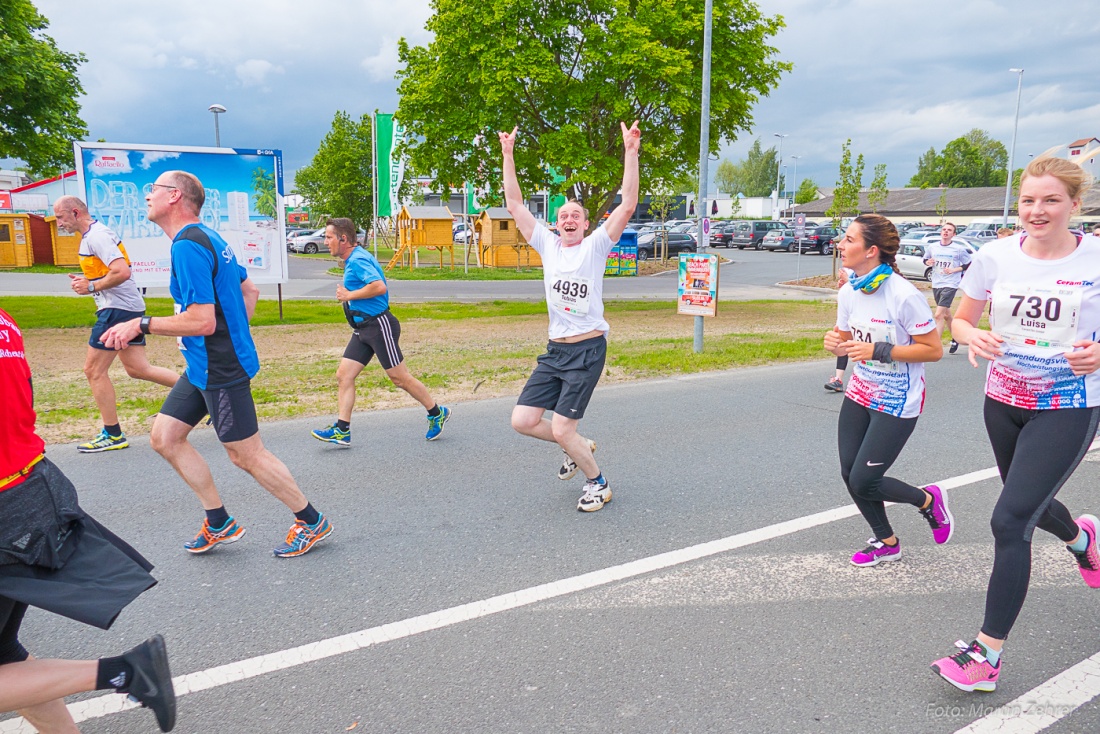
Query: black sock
[[308, 515], [114, 431], [434, 411], [113, 673], [217, 518], [343, 425]]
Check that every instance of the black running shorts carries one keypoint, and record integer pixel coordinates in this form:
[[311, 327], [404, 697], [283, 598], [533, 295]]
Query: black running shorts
[[565, 377], [105, 318], [231, 409], [944, 297], [378, 335]]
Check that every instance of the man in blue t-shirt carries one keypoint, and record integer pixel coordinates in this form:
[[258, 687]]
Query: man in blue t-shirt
[[376, 331], [214, 300]]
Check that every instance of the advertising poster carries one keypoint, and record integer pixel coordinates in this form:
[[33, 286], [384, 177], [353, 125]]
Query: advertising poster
[[698, 285], [244, 202]]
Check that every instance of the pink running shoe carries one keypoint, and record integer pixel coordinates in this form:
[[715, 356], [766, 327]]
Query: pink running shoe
[[938, 515], [968, 670], [876, 552], [1089, 559]]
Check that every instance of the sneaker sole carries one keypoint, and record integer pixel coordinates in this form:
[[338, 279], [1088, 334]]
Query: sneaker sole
[[334, 441], [570, 475], [219, 541], [113, 447], [983, 686], [593, 508], [165, 688], [950, 517], [884, 559], [308, 548], [1095, 528]]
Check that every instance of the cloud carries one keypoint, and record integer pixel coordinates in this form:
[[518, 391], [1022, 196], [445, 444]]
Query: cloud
[[254, 71], [148, 159], [110, 162], [384, 64]]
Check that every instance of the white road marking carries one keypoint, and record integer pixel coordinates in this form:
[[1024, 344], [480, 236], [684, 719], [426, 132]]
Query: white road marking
[[260, 665]]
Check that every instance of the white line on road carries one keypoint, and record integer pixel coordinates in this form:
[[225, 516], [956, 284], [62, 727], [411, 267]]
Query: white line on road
[[1078, 684]]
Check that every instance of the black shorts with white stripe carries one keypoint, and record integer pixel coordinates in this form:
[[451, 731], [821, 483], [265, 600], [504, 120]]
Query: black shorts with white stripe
[[378, 335]]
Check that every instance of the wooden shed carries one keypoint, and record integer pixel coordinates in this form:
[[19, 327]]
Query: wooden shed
[[423, 226], [500, 243], [15, 241], [66, 247]]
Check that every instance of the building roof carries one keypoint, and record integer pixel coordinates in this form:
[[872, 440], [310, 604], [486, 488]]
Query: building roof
[[1082, 142], [429, 212], [982, 201], [44, 182], [497, 212]]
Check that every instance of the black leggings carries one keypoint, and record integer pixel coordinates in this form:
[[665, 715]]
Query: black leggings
[[11, 617], [1050, 445], [869, 437], [842, 363]]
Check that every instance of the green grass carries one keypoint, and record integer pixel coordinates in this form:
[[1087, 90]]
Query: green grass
[[475, 273], [655, 357], [42, 268]]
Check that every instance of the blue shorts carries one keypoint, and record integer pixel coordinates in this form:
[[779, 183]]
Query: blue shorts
[[108, 317]]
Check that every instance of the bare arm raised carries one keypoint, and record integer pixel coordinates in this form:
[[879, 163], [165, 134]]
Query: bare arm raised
[[513, 197], [620, 217]]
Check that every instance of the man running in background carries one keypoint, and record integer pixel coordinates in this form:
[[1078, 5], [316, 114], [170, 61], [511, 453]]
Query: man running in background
[[105, 276], [573, 267], [948, 260]]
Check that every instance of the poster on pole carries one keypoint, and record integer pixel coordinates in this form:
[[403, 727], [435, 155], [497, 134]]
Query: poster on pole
[[244, 202], [698, 284], [389, 170]]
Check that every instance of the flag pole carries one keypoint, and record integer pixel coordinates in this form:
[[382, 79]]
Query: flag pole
[[374, 180]]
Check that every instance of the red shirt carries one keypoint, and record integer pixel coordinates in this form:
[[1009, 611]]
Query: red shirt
[[19, 444]]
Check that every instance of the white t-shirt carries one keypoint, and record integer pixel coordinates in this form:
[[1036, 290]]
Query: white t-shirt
[[954, 255], [1040, 307], [98, 249], [573, 280], [893, 313]]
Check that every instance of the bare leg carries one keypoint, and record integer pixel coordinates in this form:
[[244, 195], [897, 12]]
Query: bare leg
[[271, 474], [169, 439], [96, 365], [137, 366], [52, 717], [565, 433], [37, 685], [532, 422], [346, 373], [942, 317], [402, 378]]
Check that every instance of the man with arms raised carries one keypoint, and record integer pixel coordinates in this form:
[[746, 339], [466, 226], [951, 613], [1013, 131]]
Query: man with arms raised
[[105, 276], [573, 267], [214, 301]]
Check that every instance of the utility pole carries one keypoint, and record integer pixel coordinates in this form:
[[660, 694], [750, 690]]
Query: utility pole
[[701, 210]]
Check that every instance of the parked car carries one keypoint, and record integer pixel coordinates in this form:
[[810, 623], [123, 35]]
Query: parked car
[[648, 245], [980, 231], [308, 242], [819, 238], [461, 233], [750, 234], [722, 233], [910, 258], [778, 239]]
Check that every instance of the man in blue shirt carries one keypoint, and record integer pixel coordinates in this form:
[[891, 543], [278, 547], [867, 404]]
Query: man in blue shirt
[[376, 331], [214, 301]]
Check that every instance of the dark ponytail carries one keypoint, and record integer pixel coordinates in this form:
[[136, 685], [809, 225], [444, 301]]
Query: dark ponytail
[[879, 231]]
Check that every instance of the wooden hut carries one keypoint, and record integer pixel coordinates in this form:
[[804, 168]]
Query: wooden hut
[[500, 243], [423, 226], [15, 241], [65, 246]]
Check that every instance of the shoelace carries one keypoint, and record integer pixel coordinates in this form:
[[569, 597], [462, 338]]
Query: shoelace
[[930, 517], [873, 544], [965, 658], [1083, 559]]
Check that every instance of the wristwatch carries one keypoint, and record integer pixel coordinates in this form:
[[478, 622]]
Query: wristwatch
[[145, 324], [91, 287]]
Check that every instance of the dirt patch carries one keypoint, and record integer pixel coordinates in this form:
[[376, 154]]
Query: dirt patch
[[828, 281]]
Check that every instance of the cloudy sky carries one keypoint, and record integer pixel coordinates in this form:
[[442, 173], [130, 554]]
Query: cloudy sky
[[896, 76]]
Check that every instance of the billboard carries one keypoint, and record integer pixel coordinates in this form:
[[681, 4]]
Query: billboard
[[244, 202], [698, 288]]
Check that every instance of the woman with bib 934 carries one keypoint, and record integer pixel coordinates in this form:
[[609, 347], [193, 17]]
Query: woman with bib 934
[[1042, 394], [885, 326]]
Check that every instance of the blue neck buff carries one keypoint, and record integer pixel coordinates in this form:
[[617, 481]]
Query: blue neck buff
[[870, 282]]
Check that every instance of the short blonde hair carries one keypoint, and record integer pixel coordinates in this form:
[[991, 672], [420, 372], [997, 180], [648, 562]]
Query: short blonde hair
[[1072, 176]]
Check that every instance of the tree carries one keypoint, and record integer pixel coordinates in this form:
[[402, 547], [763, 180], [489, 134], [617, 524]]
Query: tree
[[567, 74], [848, 185], [338, 181], [752, 176], [807, 192], [263, 182], [39, 113], [973, 160], [879, 192], [941, 205]]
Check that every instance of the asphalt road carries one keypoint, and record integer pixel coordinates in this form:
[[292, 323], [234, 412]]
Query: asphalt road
[[771, 631]]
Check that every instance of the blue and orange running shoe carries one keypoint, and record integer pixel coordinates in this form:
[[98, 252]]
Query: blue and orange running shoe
[[303, 537], [208, 537], [435, 423]]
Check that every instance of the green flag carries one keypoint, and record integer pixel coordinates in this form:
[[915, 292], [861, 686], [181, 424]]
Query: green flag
[[388, 171]]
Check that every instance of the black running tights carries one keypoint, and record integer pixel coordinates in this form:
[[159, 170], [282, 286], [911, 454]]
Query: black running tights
[[1036, 452], [11, 617], [870, 442]]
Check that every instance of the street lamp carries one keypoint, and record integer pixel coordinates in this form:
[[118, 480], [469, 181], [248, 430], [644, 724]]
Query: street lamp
[[217, 109], [1012, 151], [778, 168], [795, 178]]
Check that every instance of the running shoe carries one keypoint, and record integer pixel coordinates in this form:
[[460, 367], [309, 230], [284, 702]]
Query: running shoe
[[968, 670], [208, 537], [834, 385], [333, 434], [1089, 558], [104, 442], [595, 496], [151, 685], [938, 515], [435, 423], [953, 348], [876, 552], [568, 468], [303, 537]]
